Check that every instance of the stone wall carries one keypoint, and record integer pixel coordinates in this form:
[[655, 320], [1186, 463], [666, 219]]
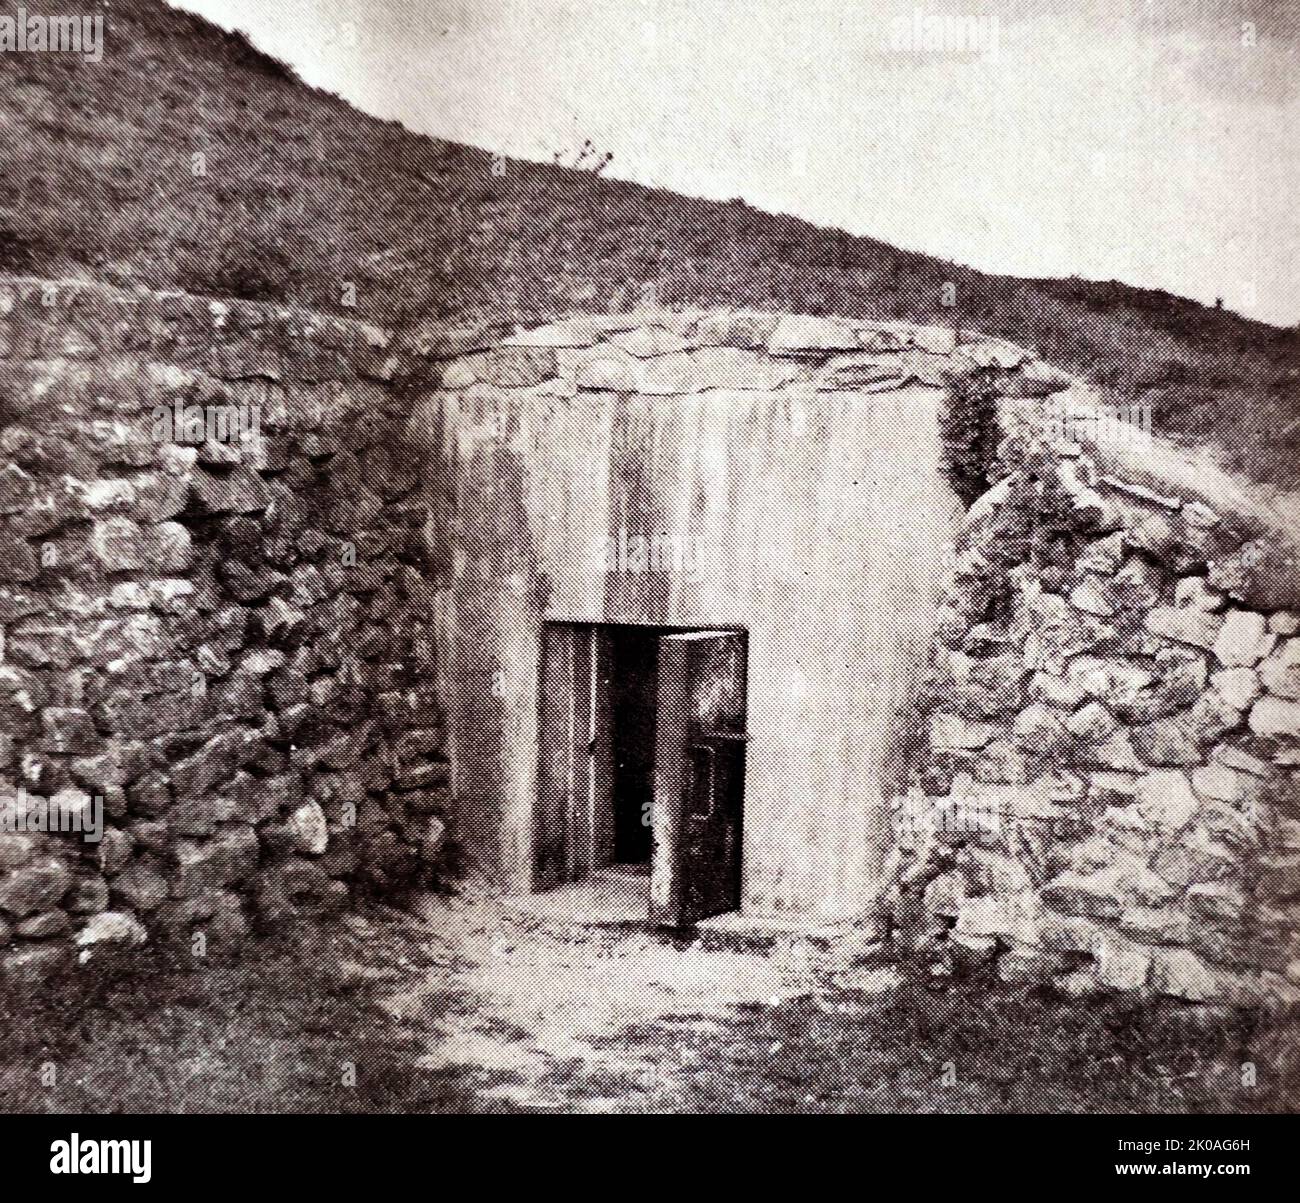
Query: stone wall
[[1110, 797], [217, 630], [245, 557]]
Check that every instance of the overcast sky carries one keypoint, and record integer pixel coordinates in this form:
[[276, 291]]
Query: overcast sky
[[1152, 141]]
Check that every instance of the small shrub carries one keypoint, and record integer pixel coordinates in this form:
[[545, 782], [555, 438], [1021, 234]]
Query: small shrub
[[968, 425]]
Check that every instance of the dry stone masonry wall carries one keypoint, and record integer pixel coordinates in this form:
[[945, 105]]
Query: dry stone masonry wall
[[1110, 798], [217, 701]]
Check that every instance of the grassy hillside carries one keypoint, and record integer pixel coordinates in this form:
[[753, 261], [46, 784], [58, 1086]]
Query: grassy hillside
[[303, 194]]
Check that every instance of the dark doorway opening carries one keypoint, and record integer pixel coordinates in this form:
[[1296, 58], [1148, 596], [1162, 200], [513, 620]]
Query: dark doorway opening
[[641, 763], [633, 685]]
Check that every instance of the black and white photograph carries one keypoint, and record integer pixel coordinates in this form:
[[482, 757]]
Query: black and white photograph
[[648, 557]]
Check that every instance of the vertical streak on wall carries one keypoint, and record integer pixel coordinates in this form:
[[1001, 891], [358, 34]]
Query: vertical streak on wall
[[825, 542], [529, 525]]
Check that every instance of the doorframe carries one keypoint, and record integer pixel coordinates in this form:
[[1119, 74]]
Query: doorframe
[[567, 840]]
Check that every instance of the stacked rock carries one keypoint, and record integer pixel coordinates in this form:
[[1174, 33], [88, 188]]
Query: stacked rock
[[215, 610]]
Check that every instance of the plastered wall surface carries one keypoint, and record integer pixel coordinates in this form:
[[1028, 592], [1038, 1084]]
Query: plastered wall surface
[[779, 474]]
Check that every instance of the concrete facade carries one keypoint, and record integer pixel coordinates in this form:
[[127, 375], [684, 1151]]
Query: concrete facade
[[694, 470]]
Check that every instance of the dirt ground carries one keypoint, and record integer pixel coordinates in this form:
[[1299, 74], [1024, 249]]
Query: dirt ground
[[465, 1005]]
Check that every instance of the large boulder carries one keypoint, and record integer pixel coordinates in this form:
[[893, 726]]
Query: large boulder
[[1280, 673], [227, 858], [112, 929], [1244, 639], [38, 885]]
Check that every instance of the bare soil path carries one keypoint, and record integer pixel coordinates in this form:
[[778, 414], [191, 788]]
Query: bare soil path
[[471, 1005], [571, 1014]]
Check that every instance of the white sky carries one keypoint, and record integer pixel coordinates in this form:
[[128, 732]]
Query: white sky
[[1130, 139]]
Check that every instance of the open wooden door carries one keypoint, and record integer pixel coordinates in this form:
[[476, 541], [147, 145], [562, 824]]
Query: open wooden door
[[573, 833], [699, 777], [561, 821]]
